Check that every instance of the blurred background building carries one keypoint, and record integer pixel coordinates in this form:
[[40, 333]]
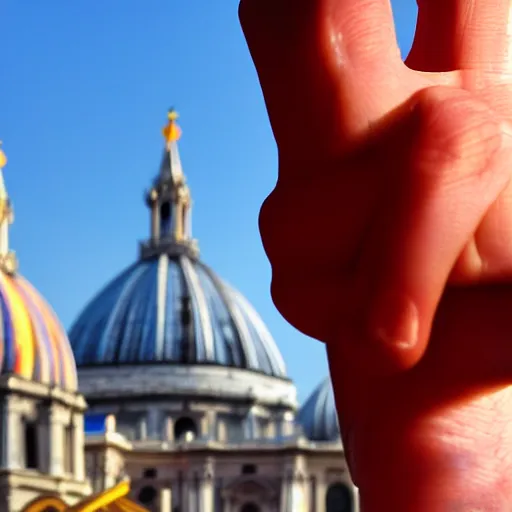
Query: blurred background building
[[168, 380]]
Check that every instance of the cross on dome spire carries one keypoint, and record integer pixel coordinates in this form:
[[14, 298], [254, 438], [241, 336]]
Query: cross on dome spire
[[169, 201], [171, 163], [8, 262]]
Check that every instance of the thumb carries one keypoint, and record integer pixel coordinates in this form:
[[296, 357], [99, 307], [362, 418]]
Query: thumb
[[456, 167]]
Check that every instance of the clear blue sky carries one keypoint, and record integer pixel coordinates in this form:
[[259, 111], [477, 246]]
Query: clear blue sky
[[84, 90]]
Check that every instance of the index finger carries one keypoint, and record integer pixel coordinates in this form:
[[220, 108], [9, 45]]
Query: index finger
[[327, 68]]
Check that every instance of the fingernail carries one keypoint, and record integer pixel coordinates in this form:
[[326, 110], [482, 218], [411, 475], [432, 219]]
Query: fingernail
[[395, 321]]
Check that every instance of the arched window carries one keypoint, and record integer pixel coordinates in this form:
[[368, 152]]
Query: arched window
[[250, 507], [338, 498], [185, 429], [165, 219]]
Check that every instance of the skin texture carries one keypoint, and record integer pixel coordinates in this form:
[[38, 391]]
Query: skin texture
[[390, 234]]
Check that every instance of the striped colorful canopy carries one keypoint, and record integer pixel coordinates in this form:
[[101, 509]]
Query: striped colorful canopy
[[33, 344]]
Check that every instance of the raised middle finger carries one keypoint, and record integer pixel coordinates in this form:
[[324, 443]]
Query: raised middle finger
[[328, 70]]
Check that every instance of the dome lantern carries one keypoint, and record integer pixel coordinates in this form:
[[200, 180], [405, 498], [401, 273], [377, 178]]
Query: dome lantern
[[170, 202], [8, 261]]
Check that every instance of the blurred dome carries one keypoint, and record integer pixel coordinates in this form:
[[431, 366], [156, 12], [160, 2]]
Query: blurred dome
[[318, 416], [33, 344]]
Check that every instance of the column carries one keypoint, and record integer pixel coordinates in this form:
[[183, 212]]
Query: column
[[177, 211], [298, 495], [207, 423], [287, 424], [78, 446], [142, 431], [294, 495], [55, 439], [165, 500], [222, 433], [250, 424], [321, 490], [187, 228], [169, 429], [207, 487], [12, 441], [270, 431]]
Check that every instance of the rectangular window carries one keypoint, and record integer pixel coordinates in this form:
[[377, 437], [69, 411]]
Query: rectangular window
[[31, 444]]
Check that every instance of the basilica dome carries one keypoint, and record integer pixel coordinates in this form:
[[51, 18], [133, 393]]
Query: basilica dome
[[318, 416], [173, 309], [169, 307], [33, 344]]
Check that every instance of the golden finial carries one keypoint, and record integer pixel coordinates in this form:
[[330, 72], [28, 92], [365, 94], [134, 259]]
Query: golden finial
[[171, 130], [3, 158], [172, 115]]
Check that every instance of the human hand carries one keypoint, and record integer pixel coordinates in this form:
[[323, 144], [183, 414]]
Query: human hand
[[390, 232]]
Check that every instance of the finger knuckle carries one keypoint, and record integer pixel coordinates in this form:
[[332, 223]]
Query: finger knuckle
[[458, 135], [271, 222], [283, 224]]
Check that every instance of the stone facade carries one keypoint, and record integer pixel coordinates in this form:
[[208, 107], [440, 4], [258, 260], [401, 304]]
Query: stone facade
[[42, 443], [230, 443], [291, 476]]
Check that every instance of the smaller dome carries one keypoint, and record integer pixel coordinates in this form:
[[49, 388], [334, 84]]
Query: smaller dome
[[33, 344], [318, 416]]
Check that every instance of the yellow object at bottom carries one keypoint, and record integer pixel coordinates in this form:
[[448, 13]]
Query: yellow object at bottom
[[111, 500]]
